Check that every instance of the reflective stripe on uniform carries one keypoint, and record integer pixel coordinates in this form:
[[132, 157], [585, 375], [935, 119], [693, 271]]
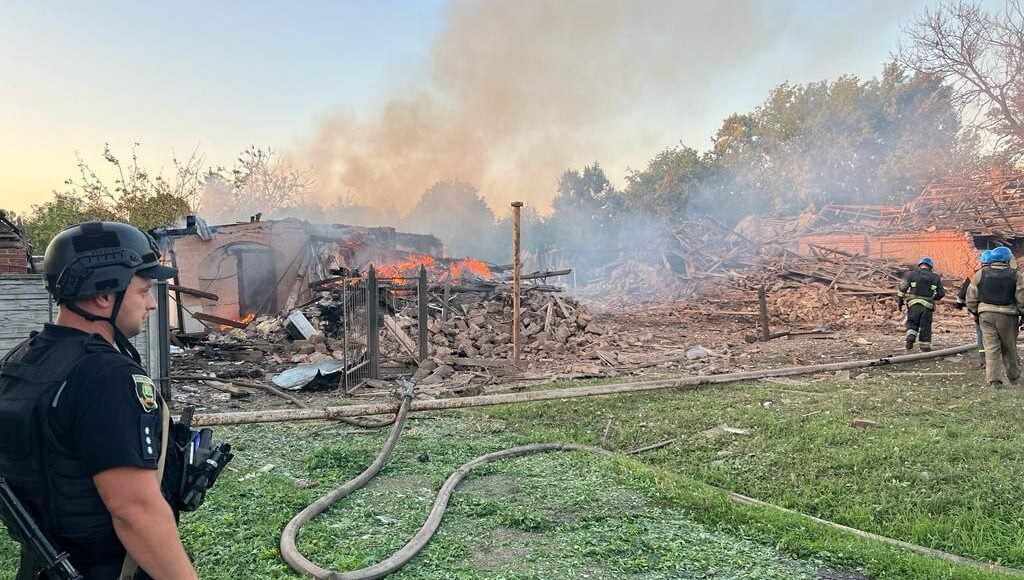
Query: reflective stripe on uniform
[[923, 302]]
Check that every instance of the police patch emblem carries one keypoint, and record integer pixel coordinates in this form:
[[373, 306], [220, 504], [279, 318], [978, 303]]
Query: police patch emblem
[[146, 392]]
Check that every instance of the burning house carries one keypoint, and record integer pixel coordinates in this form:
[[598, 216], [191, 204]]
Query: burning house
[[239, 271]]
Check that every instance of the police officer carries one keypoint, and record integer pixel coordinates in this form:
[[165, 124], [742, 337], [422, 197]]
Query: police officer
[[961, 303], [920, 290], [996, 297], [83, 431]]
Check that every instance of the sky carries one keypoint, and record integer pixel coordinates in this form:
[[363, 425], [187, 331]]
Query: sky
[[381, 99]]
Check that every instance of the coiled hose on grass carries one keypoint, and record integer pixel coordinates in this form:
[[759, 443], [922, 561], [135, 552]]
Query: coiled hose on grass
[[302, 565]]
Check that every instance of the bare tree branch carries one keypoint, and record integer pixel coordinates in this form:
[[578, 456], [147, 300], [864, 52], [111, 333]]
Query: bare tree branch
[[980, 55]]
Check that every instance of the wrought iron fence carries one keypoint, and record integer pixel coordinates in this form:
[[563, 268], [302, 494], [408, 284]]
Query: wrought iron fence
[[361, 304]]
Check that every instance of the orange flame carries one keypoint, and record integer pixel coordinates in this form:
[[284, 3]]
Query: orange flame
[[475, 266], [244, 320], [406, 268]]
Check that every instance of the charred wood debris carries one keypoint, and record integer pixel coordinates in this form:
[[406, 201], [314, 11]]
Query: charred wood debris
[[469, 333], [706, 270], [700, 274]]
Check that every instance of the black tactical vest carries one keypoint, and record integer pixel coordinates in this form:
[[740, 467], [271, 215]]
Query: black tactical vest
[[51, 481], [924, 283], [998, 286]]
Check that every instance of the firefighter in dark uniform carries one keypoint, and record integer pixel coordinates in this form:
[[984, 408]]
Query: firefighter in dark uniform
[[83, 431], [920, 290], [996, 297], [961, 303]]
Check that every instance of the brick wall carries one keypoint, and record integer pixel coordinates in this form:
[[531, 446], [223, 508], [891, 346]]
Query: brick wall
[[210, 266], [13, 260], [953, 251]]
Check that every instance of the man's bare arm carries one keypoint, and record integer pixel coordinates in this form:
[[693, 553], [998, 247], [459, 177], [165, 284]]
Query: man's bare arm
[[144, 522]]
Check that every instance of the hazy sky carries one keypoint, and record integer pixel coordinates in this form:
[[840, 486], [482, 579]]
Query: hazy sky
[[389, 96]]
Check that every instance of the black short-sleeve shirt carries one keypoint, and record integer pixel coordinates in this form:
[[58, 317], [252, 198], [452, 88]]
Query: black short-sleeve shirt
[[107, 413]]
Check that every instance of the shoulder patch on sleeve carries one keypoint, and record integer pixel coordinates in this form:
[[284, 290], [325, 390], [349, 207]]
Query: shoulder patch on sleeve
[[145, 391]]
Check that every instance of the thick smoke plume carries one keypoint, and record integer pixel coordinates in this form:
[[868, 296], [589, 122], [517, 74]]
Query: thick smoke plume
[[516, 92]]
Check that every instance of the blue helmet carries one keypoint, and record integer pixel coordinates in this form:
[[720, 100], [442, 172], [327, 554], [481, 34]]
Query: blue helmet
[[986, 257], [926, 261], [1001, 254]]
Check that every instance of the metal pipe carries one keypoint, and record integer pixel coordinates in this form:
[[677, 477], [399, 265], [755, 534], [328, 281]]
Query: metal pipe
[[688, 383], [762, 306], [372, 328], [163, 313]]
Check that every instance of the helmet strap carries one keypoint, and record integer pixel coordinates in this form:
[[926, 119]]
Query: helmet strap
[[121, 341]]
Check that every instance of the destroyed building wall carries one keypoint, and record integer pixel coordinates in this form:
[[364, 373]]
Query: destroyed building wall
[[953, 251], [264, 267], [252, 267], [419, 244], [356, 246]]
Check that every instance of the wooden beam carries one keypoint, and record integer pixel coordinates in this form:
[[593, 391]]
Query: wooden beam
[[203, 317], [192, 292]]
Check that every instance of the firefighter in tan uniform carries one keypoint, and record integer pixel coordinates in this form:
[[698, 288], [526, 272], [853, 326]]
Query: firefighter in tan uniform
[[996, 297]]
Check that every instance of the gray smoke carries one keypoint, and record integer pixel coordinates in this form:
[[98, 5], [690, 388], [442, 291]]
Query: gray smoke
[[516, 92]]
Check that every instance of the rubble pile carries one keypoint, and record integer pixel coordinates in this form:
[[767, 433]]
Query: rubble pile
[[552, 325], [470, 336], [708, 268]]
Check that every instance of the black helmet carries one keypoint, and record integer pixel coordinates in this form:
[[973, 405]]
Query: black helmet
[[96, 257]]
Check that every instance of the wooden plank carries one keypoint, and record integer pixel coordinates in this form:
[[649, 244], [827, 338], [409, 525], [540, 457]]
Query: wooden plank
[[484, 363], [203, 317], [562, 307], [192, 292], [549, 274]]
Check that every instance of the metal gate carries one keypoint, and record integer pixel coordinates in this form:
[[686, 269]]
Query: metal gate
[[359, 319]]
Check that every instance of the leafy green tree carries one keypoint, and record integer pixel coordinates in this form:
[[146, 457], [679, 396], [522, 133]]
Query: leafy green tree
[[663, 189], [63, 211], [135, 196], [843, 142]]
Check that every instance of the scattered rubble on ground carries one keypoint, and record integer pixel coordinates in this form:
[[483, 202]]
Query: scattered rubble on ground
[[706, 270], [690, 306]]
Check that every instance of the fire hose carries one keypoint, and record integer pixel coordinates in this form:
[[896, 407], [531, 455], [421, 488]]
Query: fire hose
[[302, 565], [299, 563]]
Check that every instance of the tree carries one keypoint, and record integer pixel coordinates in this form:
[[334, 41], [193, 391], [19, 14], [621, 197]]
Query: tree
[[135, 196], [664, 187], [587, 198], [455, 212], [262, 181], [845, 141], [980, 56], [585, 220]]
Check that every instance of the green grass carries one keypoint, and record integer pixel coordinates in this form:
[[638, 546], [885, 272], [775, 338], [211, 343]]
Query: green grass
[[551, 516], [558, 515], [942, 470]]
